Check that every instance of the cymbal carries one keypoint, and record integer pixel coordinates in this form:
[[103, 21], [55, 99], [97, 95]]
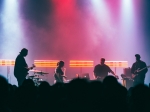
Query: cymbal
[[38, 72], [36, 77], [42, 72], [34, 71], [31, 76]]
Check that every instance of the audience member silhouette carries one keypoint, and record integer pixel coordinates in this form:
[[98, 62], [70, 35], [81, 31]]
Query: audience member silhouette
[[4, 95], [77, 95], [140, 99]]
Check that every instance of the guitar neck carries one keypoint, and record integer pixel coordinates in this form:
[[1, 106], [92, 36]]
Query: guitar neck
[[143, 69], [31, 68]]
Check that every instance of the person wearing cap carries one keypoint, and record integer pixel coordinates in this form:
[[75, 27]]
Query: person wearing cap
[[21, 68], [101, 70], [138, 77]]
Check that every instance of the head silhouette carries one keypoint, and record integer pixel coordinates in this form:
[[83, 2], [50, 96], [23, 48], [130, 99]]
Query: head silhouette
[[110, 81], [138, 57], [102, 61], [28, 82], [61, 63], [4, 88], [24, 52]]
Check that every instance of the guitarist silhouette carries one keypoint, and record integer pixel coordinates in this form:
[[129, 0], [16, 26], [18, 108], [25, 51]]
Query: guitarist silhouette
[[138, 77], [21, 68]]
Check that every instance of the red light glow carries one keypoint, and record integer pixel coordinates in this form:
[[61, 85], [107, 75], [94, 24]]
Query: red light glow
[[117, 63], [81, 63], [45, 63]]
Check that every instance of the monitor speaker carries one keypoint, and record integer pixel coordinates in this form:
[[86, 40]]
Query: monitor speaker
[[85, 75]]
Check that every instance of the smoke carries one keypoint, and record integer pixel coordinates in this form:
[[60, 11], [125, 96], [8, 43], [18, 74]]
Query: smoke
[[69, 29], [10, 36]]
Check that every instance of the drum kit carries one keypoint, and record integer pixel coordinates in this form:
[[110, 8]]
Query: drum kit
[[36, 76]]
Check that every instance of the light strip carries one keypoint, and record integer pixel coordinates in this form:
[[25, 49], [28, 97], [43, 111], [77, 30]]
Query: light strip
[[7, 62], [81, 63], [46, 63]]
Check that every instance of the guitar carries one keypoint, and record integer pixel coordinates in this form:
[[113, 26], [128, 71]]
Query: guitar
[[64, 76], [30, 68], [60, 78], [137, 71]]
